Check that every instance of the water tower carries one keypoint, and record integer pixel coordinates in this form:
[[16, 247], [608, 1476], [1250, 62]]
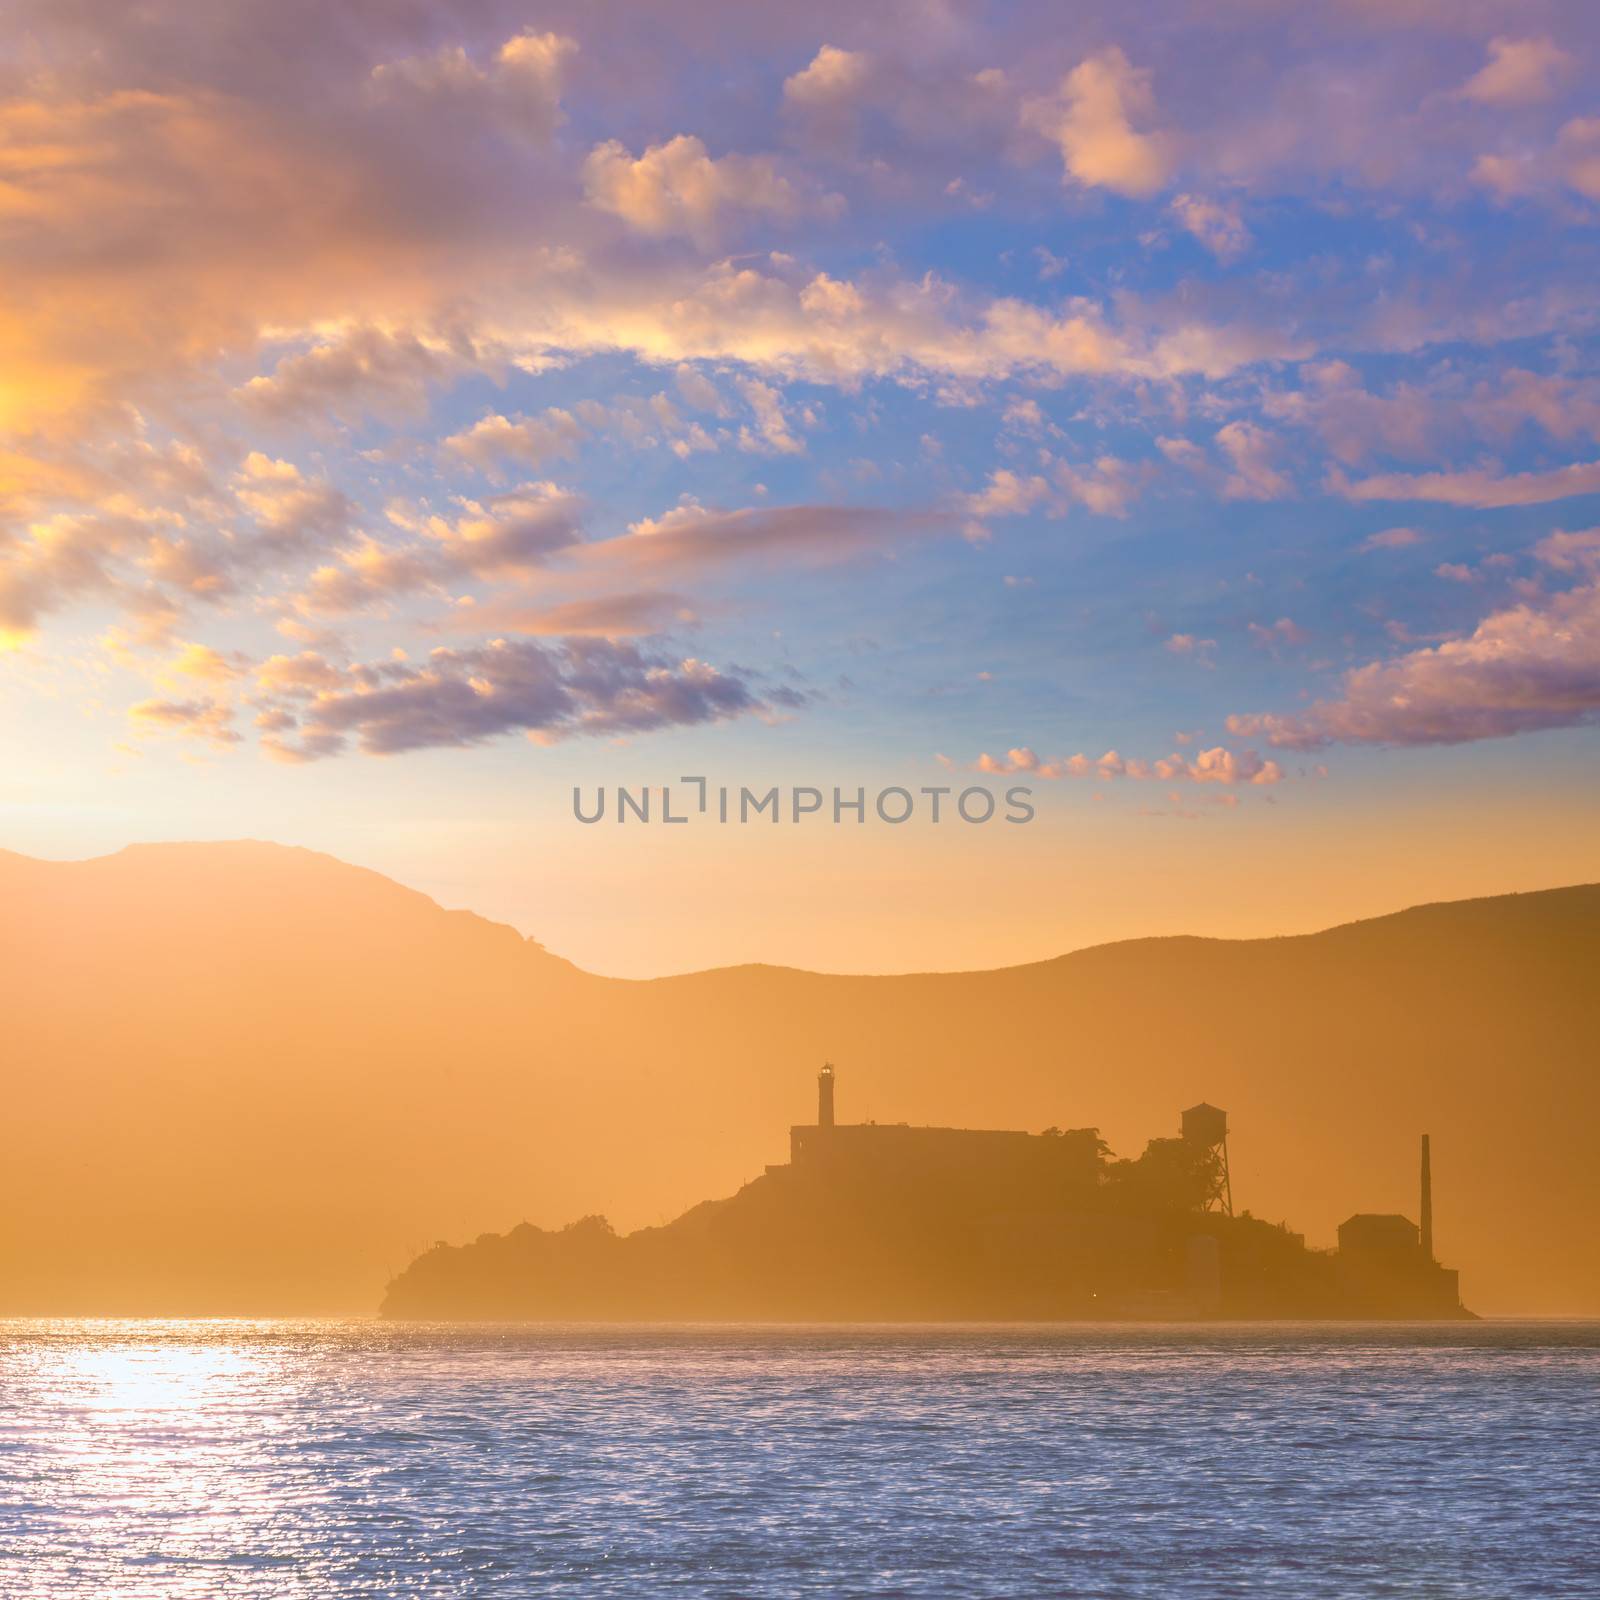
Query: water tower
[[1204, 1125]]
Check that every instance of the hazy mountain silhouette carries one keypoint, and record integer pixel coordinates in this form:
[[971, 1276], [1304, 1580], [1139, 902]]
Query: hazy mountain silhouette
[[250, 1078]]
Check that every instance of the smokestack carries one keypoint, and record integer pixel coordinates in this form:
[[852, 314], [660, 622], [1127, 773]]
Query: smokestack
[[825, 1097], [1427, 1201]]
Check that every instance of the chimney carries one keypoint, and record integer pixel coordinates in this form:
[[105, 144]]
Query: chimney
[[825, 1097], [1427, 1201]]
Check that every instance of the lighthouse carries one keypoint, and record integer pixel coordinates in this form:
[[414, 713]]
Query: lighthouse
[[825, 1097]]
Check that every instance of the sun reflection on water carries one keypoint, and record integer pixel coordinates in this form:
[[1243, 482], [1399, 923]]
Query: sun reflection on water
[[152, 1440]]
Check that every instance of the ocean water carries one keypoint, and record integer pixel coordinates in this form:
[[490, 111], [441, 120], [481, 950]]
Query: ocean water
[[286, 1459]]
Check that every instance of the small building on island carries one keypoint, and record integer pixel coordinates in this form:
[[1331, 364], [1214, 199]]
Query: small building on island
[[1386, 1262]]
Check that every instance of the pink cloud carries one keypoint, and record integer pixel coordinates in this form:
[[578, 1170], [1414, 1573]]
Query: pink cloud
[[1217, 765], [1251, 452], [1528, 666], [1093, 119], [1518, 72], [1391, 539], [1186, 644], [1284, 631], [1481, 487]]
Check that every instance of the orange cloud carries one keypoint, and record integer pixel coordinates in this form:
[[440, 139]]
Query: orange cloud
[[677, 187], [1518, 72], [1092, 120]]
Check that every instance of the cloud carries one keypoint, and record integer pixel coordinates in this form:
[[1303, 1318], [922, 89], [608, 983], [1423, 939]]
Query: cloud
[[305, 674], [495, 441], [1562, 406], [581, 688], [1529, 666], [1092, 119], [1105, 486], [833, 78], [1217, 765], [530, 441], [59, 560], [537, 528], [1008, 495], [361, 371], [1572, 162], [772, 431], [175, 197], [157, 231], [1571, 552], [291, 512], [611, 616], [521, 84], [839, 331], [504, 534], [532, 64], [1518, 72], [1483, 488], [1217, 226], [699, 391], [502, 537], [1201, 651], [1251, 451], [1578, 155], [201, 662], [157, 237], [678, 187], [1353, 422], [900, 116], [367, 575], [206, 719], [1285, 631], [1185, 453], [1391, 539], [692, 537]]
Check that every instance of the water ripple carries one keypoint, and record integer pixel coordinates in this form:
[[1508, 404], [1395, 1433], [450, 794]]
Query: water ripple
[[285, 1459]]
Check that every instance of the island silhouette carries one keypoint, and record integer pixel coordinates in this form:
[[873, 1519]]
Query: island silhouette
[[888, 1222], [247, 1079]]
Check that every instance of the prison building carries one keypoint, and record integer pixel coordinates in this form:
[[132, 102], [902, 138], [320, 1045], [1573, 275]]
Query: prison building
[[999, 1162]]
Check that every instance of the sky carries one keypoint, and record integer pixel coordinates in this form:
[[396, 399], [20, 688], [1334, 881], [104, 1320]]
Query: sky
[[410, 415]]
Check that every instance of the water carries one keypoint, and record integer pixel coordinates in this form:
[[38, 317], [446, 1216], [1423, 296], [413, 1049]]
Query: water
[[284, 1459]]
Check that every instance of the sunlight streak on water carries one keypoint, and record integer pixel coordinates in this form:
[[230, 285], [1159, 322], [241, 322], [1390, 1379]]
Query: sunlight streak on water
[[283, 1459]]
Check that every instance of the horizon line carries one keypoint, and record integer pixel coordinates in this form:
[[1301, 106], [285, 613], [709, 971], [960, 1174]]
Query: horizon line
[[736, 966]]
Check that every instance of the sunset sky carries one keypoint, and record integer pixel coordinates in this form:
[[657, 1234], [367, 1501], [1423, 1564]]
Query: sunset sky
[[410, 412]]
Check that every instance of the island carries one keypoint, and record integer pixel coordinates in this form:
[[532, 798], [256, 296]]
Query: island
[[887, 1222]]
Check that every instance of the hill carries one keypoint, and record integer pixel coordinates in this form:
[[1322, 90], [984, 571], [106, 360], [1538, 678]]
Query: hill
[[248, 1078]]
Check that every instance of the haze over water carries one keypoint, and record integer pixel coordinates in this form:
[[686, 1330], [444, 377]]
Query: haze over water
[[142, 1459]]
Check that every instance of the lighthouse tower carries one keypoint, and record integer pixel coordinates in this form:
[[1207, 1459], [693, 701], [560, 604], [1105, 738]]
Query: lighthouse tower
[[825, 1097]]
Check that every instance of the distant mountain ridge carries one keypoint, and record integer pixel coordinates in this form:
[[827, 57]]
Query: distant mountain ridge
[[250, 1078]]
